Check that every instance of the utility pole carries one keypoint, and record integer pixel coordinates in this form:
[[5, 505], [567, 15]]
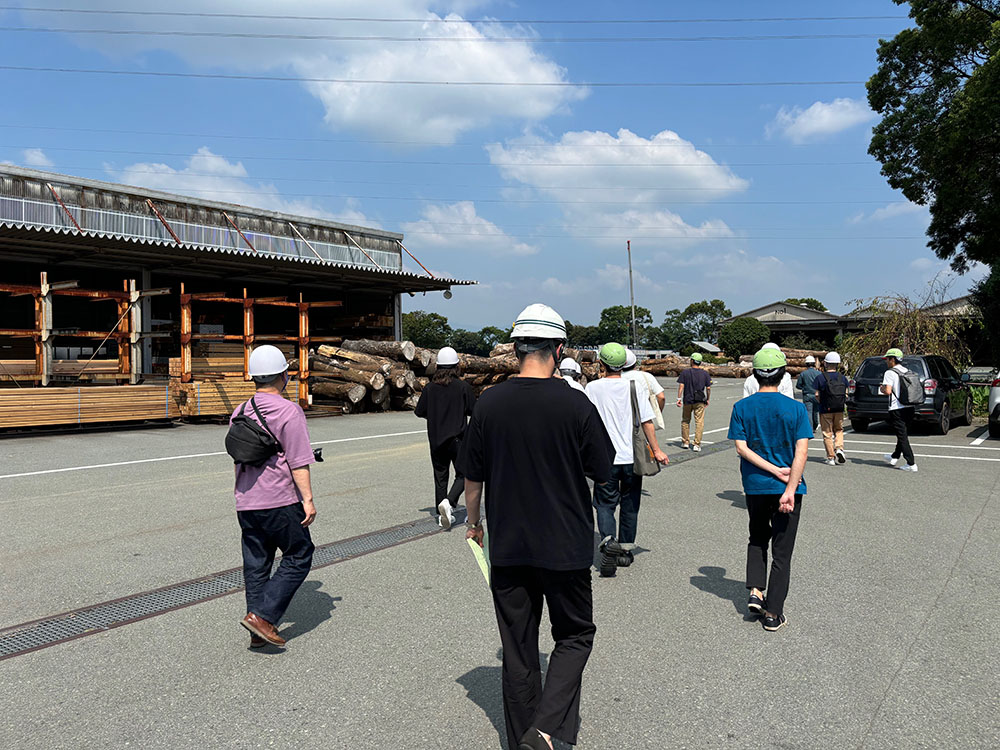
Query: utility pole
[[631, 291]]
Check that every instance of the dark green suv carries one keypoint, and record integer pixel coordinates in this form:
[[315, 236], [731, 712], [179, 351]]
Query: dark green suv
[[947, 399]]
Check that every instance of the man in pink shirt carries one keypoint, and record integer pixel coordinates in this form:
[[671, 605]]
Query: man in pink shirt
[[274, 501]]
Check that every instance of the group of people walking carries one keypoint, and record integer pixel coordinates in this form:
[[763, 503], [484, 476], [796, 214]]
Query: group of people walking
[[527, 452]]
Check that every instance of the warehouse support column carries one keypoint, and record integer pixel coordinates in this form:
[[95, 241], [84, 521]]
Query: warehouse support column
[[397, 317], [145, 364]]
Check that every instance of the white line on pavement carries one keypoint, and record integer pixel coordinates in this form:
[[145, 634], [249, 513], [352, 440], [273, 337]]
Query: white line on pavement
[[925, 445], [917, 455], [981, 437], [706, 432], [192, 455]]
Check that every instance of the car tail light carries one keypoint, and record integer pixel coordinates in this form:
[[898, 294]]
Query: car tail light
[[930, 386], [853, 386], [996, 383]]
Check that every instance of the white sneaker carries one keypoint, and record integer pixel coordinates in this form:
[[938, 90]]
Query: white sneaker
[[696, 448], [889, 459], [841, 458], [907, 467], [446, 517], [831, 462]]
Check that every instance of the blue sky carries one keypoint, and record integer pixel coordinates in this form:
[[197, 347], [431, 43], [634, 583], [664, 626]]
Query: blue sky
[[744, 193]]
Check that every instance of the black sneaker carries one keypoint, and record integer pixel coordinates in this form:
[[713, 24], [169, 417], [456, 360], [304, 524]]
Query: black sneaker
[[775, 623], [755, 605], [610, 550], [533, 740], [841, 458]]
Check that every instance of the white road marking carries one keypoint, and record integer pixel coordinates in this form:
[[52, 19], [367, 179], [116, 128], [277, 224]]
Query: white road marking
[[925, 445], [706, 432], [981, 437], [191, 455], [916, 455]]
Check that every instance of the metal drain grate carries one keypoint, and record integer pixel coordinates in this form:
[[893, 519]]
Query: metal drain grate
[[31, 636]]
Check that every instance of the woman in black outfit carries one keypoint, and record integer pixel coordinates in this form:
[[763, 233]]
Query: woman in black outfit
[[446, 403]]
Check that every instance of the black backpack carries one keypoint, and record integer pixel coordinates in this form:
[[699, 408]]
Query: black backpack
[[836, 391], [249, 442]]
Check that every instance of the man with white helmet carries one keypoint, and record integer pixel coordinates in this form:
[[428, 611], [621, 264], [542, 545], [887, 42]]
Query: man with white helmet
[[806, 383], [750, 385], [274, 500], [654, 391], [533, 442], [570, 371], [612, 395], [446, 403], [831, 392]]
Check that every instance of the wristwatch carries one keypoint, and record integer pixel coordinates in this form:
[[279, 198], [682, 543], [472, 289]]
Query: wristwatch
[[477, 525]]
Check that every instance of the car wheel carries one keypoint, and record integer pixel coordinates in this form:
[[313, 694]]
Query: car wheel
[[967, 414], [995, 429], [859, 424], [944, 421]]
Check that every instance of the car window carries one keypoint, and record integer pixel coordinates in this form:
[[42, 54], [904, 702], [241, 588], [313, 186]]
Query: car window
[[948, 370], [872, 369], [934, 365], [916, 364]]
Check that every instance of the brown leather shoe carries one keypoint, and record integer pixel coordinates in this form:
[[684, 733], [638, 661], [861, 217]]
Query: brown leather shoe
[[256, 641], [263, 629]]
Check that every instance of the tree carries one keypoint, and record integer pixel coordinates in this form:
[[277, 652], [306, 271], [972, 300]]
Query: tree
[[674, 333], [743, 336], [938, 141], [578, 336], [811, 302], [468, 342], [491, 336], [702, 318], [426, 329], [616, 324], [986, 298]]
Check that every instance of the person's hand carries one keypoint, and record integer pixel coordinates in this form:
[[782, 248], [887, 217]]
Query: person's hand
[[787, 502], [310, 509], [678, 402], [783, 473], [661, 457], [475, 533]]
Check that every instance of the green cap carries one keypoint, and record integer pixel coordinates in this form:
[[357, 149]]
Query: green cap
[[769, 359], [893, 353], [613, 355], [696, 357]]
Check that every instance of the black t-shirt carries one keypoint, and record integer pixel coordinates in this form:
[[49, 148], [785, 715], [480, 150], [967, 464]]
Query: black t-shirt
[[534, 442], [694, 379], [445, 407]]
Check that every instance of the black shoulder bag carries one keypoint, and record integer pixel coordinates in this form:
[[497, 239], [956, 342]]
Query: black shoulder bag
[[249, 442]]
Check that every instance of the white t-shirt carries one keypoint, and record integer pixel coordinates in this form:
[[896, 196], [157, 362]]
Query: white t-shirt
[[573, 383], [649, 388], [612, 397], [891, 378], [751, 386]]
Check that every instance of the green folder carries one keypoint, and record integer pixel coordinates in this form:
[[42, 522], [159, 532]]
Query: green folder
[[482, 555]]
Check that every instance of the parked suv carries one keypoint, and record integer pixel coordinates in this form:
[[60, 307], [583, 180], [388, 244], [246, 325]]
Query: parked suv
[[947, 398]]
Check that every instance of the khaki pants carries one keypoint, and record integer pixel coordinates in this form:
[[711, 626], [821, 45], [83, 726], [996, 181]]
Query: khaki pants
[[698, 410], [833, 432]]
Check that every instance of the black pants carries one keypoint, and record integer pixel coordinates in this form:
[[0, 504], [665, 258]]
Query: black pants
[[624, 491], [264, 532], [771, 527], [900, 421], [517, 597], [442, 458]]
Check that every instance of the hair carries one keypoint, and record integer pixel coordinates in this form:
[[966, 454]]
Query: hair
[[444, 375], [570, 374], [264, 381], [831, 366], [549, 348], [770, 380]]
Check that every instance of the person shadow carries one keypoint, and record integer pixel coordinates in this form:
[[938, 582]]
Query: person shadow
[[738, 499], [713, 581], [310, 608]]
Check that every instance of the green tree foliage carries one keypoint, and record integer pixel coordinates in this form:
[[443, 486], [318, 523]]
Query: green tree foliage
[[578, 336], [801, 341], [468, 342], [936, 88], [743, 336], [674, 333], [492, 336], [702, 318], [986, 298], [426, 329], [616, 324], [811, 302]]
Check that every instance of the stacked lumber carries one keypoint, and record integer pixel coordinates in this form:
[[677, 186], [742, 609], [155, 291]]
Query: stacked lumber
[[672, 366], [215, 398], [32, 407]]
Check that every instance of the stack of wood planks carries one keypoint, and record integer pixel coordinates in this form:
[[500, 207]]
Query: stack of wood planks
[[215, 398], [61, 368], [32, 407]]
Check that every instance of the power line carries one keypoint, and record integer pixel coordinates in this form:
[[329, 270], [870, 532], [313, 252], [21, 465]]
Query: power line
[[374, 81], [536, 21], [693, 238], [478, 39], [439, 163]]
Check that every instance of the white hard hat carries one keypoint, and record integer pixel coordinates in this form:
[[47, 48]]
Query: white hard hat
[[539, 322], [771, 345], [570, 364], [447, 357], [266, 360], [832, 358], [629, 358], [810, 359]]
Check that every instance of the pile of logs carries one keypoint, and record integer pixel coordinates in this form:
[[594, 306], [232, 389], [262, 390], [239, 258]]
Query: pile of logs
[[369, 376], [671, 367]]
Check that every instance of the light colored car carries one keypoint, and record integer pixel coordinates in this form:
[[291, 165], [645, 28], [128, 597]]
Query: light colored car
[[995, 408]]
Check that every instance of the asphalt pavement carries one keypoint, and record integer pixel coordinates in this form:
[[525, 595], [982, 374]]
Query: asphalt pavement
[[893, 635]]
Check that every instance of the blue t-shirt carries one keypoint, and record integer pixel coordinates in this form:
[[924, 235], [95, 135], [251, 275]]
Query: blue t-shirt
[[770, 423]]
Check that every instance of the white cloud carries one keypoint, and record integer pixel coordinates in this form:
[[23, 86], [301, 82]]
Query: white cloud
[[819, 120], [398, 112], [889, 211], [601, 281], [458, 226], [211, 176], [926, 264], [35, 157]]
